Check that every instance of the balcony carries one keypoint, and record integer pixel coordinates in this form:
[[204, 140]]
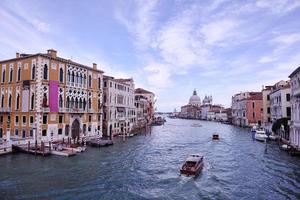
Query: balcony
[[45, 109], [5, 110]]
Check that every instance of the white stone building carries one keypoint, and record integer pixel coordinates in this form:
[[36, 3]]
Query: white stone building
[[119, 112], [295, 104], [280, 104]]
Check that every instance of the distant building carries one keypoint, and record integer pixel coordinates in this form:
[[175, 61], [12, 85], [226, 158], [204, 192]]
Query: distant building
[[280, 97], [295, 104], [144, 103], [266, 106], [247, 108], [119, 113], [192, 109]]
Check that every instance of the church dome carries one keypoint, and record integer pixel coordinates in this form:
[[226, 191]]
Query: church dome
[[195, 99]]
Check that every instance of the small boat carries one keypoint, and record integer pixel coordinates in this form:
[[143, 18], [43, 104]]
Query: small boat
[[196, 125], [260, 135], [192, 165], [285, 147], [215, 136]]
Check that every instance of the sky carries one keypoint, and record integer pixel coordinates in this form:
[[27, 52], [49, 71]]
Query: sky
[[217, 47]]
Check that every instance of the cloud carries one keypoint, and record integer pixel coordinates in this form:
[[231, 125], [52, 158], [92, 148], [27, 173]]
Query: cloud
[[158, 75], [278, 6], [40, 25], [287, 39], [218, 31], [267, 59]]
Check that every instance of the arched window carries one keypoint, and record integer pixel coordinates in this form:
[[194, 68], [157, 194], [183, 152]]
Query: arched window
[[99, 104], [60, 101], [3, 76], [61, 75], [45, 100], [76, 102], [9, 101], [32, 102], [68, 103], [18, 102], [11, 75], [72, 102], [84, 80], [90, 81], [76, 78], [84, 104], [19, 74], [69, 76], [33, 72], [80, 103], [90, 103], [80, 79], [2, 101], [73, 77], [45, 71]]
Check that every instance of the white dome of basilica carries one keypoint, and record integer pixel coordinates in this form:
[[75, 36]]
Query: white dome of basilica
[[195, 99]]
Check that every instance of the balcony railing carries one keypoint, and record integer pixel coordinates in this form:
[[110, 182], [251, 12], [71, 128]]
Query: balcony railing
[[45, 109], [5, 109]]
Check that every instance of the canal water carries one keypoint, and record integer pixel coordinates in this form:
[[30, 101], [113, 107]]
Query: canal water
[[147, 167]]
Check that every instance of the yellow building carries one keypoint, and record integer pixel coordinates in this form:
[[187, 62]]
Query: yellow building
[[44, 97]]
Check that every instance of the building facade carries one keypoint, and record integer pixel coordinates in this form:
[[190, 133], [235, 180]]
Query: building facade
[[247, 108], [266, 106], [280, 100], [119, 113], [295, 105], [46, 98], [144, 103]]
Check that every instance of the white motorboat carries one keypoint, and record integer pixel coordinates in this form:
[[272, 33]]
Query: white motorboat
[[253, 129], [260, 135]]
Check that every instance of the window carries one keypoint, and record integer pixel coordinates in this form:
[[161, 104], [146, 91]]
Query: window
[[268, 97], [1, 133], [288, 97], [16, 132], [269, 119], [44, 119], [67, 130], [61, 75], [104, 83], [44, 132], [60, 131], [110, 84], [253, 104], [99, 83], [60, 101], [253, 114], [17, 120], [2, 101], [89, 128], [9, 101], [31, 120], [33, 72], [24, 119], [60, 119], [90, 118], [269, 110], [288, 111], [90, 81], [45, 72], [3, 76], [1, 119], [19, 74], [11, 75], [23, 133], [84, 128], [31, 132], [32, 102], [18, 102]]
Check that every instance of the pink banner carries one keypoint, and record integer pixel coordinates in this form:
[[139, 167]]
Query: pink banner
[[53, 96]]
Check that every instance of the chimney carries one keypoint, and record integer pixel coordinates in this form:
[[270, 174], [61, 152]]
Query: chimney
[[94, 66], [17, 55], [52, 53]]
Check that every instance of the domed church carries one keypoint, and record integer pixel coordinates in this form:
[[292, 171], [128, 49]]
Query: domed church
[[195, 99], [192, 109]]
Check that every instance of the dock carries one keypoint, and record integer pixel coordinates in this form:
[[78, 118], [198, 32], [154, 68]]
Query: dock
[[35, 150]]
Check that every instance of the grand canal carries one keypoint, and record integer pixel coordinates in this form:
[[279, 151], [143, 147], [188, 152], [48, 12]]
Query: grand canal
[[147, 167]]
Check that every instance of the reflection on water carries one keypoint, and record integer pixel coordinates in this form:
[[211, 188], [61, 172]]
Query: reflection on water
[[147, 167]]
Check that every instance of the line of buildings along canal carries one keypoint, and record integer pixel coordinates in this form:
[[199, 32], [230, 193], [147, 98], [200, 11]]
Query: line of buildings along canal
[[147, 167]]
